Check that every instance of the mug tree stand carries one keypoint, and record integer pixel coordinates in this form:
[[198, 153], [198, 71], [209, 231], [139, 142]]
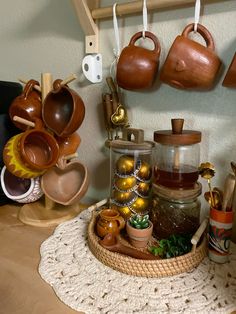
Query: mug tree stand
[[45, 212]]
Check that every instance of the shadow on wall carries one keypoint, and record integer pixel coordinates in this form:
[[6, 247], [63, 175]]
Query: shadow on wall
[[101, 178], [57, 18]]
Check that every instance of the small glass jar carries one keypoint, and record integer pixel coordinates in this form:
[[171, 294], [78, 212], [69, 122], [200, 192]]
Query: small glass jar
[[175, 211], [131, 173], [177, 156]]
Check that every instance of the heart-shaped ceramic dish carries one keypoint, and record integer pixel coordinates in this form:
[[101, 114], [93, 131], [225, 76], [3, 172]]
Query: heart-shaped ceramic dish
[[65, 185]]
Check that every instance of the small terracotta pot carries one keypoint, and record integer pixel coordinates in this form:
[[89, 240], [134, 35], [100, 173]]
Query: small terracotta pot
[[109, 221], [27, 106], [66, 184], [18, 189], [139, 237], [63, 110]]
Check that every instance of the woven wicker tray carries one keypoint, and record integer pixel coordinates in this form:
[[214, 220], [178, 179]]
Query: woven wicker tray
[[144, 268]]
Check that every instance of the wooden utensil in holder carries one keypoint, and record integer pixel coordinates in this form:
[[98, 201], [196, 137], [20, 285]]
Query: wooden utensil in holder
[[45, 212]]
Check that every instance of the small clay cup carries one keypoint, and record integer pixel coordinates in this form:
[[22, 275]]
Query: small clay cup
[[137, 66], [66, 183], [27, 106], [109, 221], [63, 110], [190, 65]]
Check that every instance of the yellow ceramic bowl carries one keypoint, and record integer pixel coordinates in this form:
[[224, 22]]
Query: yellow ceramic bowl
[[13, 161]]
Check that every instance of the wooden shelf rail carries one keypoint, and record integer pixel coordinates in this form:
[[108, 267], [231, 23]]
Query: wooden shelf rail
[[88, 11], [134, 7]]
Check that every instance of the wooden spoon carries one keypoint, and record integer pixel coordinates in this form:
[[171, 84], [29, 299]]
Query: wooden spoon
[[228, 192], [113, 244]]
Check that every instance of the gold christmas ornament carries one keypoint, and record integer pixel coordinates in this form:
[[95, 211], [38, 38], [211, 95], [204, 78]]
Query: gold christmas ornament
[[125, 165], [125, 184], [145, 171], [140, 205], [124, 211], [123, 197], [144, 188]]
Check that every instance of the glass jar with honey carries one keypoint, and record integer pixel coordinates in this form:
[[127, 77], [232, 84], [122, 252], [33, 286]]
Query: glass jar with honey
[[177, 156]]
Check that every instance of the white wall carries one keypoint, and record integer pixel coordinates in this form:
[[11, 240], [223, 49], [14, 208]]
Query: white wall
[[45, 36]]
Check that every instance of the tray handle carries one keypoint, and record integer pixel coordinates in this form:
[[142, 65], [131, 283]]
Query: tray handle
[[196, 237]]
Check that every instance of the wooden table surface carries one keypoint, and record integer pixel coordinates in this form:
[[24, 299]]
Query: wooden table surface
[[22, 290]]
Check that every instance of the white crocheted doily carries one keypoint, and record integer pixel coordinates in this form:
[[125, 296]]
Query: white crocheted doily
[[85, 284]]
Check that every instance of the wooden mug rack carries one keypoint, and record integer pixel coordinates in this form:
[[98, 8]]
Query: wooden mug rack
[[89, 11]]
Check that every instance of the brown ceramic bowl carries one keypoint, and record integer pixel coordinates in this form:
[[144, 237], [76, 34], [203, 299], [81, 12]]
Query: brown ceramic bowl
[[65, 185], [38, 149], [63, 110]]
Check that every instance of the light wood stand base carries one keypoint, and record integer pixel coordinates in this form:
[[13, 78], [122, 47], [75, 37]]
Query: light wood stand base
[[36, 214]]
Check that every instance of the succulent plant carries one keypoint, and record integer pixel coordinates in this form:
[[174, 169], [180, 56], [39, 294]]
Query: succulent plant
[[139, 221]]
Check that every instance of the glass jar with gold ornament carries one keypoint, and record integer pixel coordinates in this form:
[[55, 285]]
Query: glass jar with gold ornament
[[131, 173]]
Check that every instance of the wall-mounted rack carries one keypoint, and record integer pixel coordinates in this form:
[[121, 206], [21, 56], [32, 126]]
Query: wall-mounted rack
[[88, 11]]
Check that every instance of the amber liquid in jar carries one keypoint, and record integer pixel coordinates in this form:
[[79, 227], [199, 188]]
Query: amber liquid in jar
[[184, 177]]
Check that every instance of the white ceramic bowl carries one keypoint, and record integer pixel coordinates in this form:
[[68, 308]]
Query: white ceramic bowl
[[20, 190]]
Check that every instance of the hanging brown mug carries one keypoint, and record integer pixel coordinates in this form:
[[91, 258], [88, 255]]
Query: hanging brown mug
[[27, 106], [190, 65], [137, 66]]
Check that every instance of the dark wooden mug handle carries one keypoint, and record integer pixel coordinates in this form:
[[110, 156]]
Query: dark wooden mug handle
[[157, 46], [203, 31]]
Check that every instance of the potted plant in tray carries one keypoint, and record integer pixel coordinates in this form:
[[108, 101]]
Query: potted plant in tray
[[139, 229]]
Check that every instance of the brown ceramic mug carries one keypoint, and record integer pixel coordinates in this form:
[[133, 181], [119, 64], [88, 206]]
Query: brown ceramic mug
[[190, 65], [137, 66], [27, 106], [109, 221]]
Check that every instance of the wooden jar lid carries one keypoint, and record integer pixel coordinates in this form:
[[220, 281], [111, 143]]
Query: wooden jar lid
[[177, 136]]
